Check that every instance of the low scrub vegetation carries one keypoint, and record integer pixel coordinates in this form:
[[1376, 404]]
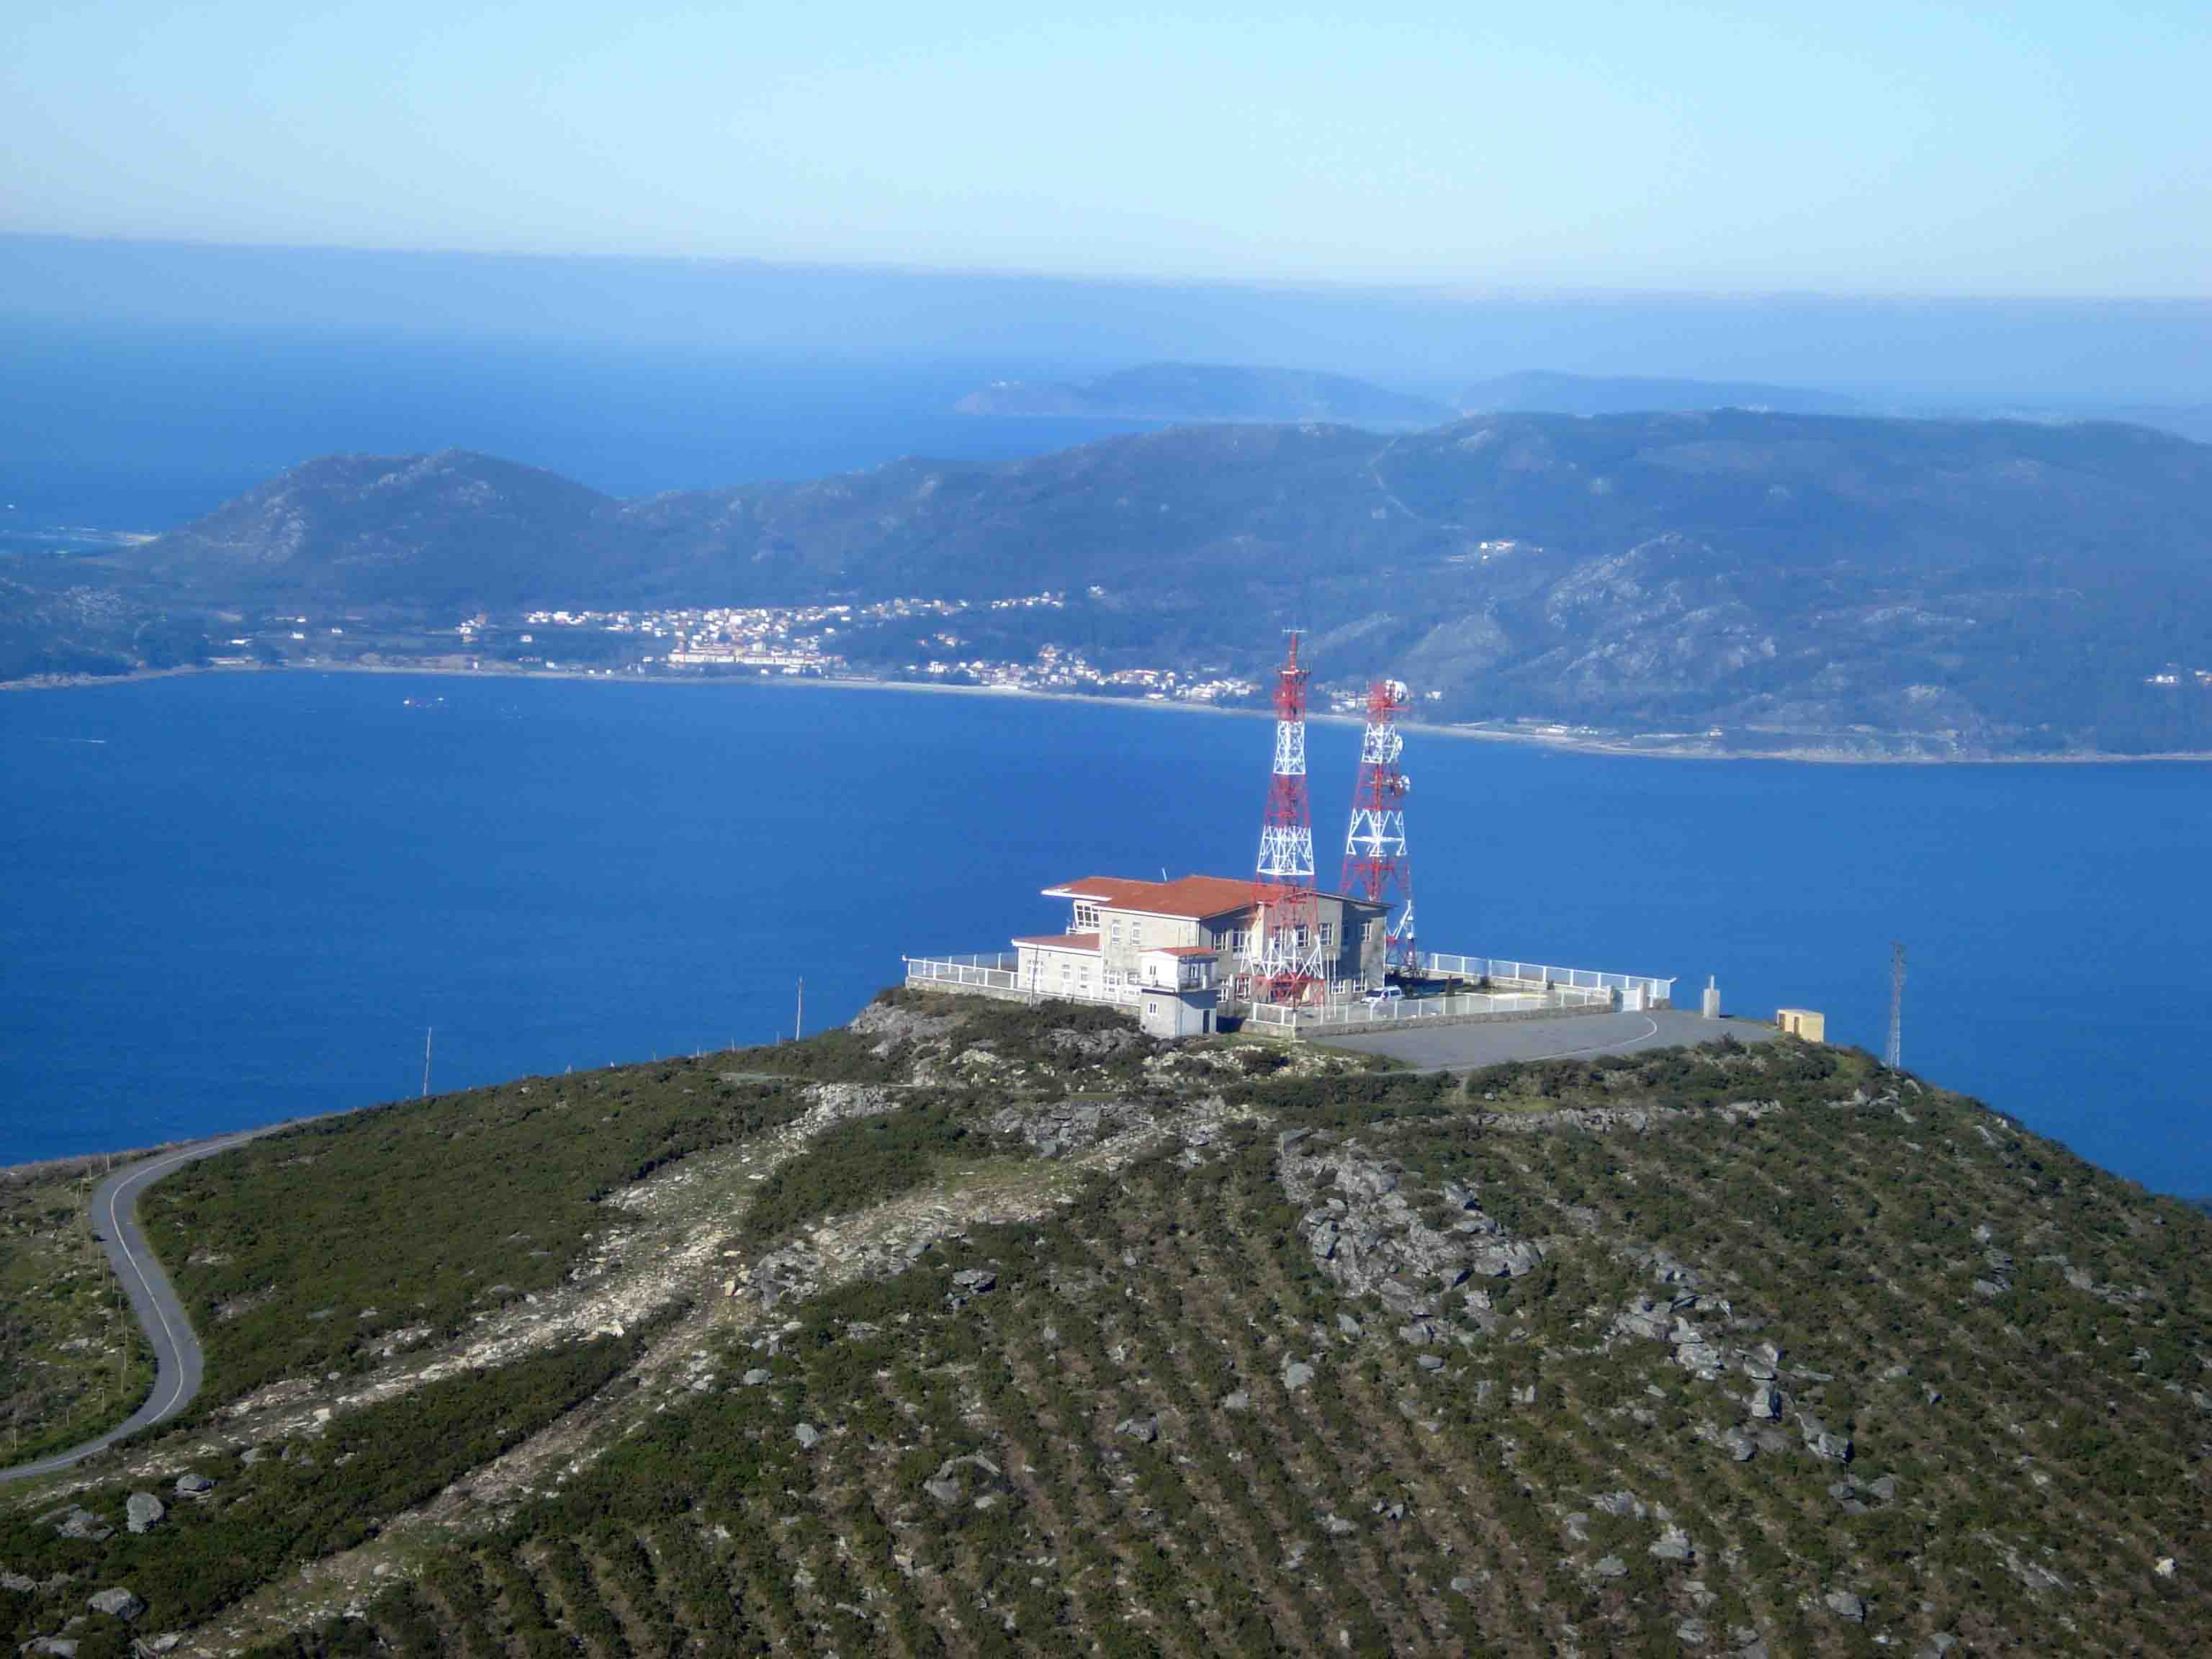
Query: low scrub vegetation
[[1354, 1362], [312, 1251], [861, 1162], [309, 1497], [72, 1359]]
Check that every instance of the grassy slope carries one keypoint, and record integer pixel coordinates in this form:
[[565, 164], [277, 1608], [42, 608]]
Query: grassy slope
[[2064, 1437], [2044, 1437], [71, 1358], [311, 1251]]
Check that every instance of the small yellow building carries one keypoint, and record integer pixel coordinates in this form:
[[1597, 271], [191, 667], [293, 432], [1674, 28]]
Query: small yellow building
[[1809, 1024]]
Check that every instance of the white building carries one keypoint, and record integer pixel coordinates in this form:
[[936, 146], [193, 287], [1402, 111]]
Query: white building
[[1174, 947]]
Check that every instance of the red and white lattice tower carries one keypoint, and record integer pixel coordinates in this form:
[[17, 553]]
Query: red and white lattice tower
[[1285, 950], [1377, 867]]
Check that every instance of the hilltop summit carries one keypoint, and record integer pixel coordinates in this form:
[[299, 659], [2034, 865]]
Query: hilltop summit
[[980, 1321]]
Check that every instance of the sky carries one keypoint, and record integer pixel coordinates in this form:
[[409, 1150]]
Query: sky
[[2041, 147]]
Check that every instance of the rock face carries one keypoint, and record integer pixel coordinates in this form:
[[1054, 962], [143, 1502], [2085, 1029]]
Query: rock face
[[1846, 1605], [1821, 1441], [1370, 1238], [944, 1486], [194, 1486], [891, 1025], [117, 1603], [807, 1435], [1296, 1375], [82, 1524], [1056, 1129], [142, 1511]]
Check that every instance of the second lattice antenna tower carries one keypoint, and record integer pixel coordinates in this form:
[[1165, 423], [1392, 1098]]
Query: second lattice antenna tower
[[1377, 867]]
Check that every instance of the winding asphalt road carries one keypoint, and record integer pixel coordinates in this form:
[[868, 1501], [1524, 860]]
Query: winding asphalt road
[[177, 1358]]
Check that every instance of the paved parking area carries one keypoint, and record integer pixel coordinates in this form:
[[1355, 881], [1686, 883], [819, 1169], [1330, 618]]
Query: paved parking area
[[1458, 1048]]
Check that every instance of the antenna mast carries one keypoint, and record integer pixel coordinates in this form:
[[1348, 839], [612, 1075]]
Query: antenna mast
[[428, 1031], [1284, 962], [1893, 1056], [1376, 865]]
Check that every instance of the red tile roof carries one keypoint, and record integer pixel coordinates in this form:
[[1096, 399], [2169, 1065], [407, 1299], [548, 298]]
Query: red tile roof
[[1182, 950], [1196, 897], [1063, 941], [1199, 897]]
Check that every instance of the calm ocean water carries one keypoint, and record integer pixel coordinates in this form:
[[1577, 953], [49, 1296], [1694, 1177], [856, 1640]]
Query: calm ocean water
[[234, 898]]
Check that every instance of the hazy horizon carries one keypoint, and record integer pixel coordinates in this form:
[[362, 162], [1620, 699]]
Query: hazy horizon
[[1889, 149]]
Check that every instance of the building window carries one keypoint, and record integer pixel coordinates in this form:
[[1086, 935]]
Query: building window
[[1327, 937], [1115, 936], [1086, 918], [1151, 1007]]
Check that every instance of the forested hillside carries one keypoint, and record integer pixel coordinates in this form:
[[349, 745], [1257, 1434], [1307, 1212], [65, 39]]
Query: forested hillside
[[1798, 581]]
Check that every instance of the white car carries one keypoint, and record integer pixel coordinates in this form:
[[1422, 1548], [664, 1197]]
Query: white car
[[1385, 997]]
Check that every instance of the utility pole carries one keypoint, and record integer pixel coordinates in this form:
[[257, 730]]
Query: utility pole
[[428, 1031], [798, 1024], [1893, 1056]]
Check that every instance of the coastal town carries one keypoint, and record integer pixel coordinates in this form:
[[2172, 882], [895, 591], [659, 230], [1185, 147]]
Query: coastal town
[[921, 639]]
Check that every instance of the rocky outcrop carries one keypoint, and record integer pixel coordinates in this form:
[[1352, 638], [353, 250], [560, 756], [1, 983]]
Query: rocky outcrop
[[1368, 1237], [75, 1522], [1055, 1129], [893, 1023], [117, 1603]]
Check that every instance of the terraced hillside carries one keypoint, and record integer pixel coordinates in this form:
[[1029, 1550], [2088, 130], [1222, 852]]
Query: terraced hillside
[[1005, 1330]]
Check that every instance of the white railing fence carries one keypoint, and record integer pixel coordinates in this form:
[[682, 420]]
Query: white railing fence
[[990, 970], [1536, 973], [1412, 1010], [1547, 988]]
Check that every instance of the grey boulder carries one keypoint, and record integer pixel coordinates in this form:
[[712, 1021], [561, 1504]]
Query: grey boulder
[[117, 1603]]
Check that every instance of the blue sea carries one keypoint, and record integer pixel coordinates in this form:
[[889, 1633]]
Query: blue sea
[[233, 898]]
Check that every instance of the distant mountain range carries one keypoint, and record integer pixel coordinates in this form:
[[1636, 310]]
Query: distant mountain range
[[1538, 392], [1815, 581], [1177, 393], [1183, 393]]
